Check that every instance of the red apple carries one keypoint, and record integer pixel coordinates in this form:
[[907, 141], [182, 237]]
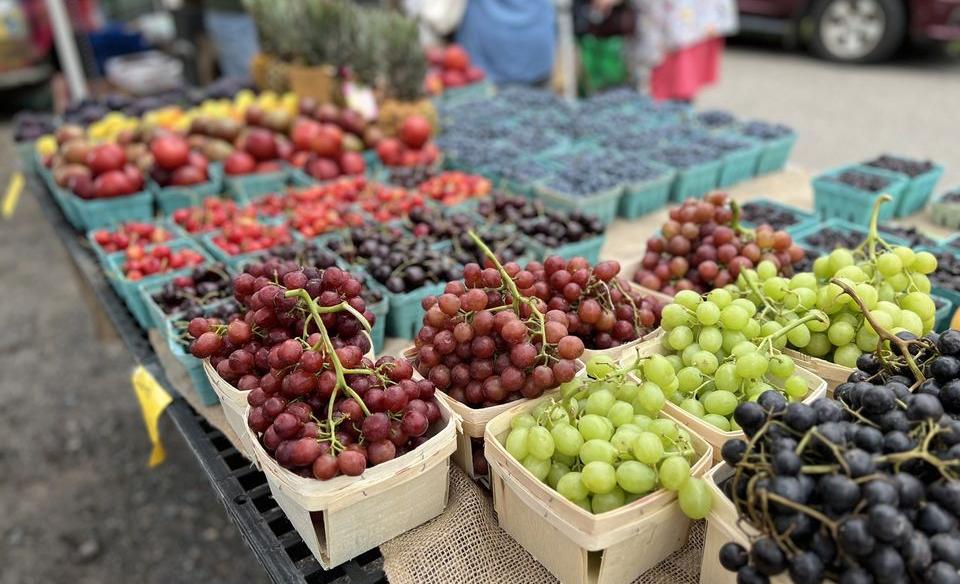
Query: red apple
[[429, 153], [435, 55], [410, 158], [329, 141], [239, 162], [323, 169], [135, 176], [452, 78], [415, 131], [284, 148], [81, 185], [254, 115], [352, 122], [475, 74], [170, 152], [269, 166], [352, 163], [198, 160], [299, 158], [261, 144], [327, 113], [389, 151], [106, 157], [456, 58], [188, 175], [113, 183], [63, 174], [303, 133]]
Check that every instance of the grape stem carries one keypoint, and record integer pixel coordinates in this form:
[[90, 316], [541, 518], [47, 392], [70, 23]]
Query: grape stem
[[873, 232], [903, 346], [812, 315], [752, 284]]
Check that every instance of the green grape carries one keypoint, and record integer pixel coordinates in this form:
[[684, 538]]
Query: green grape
[[821, 267], [820, 326], [847, 317], [658, 370], [710, 339], [743, 348], [892, 310], [647, 448], [803, 280], [868, 294], [650, 399], [539, 467], [516, 443], [584, 504], [899, 282], [686, 356], [907, 257], [889, 264], [708, 313], [922, 283], [540, 442], [795, 386], [674, 471], [623, 438], [598, 450], [558, 416], [671, 388], [636, 477], [732, 339], [841, 333], [911, 322], [827, 300], [594, 427], [818, 346], [867, 339], [852, 273], [599, 477], [608, 501], [782, 366], [564, 459], [557, 471], [799, 337], [924, 262], [748, 306], [752, 365], [726, 377], [920, 304], [722, 298], [675, 399], [846, 355], [642, 421], [766, 270], [567, 439], [695, 498], [693, 407], [620, 413], [523, 421], [720, 402], [627, 391], [676, 363], [806, 298], [689, 379], [734, 317], [840, 258], [679, 338], [571, 486], [665, 427], [719, 422], [770, 327], [599, 366], [687, 299], [775, 289], [600, 402], [734, 426], [885, 292], [706, 362], [673, 315], [752, 330]]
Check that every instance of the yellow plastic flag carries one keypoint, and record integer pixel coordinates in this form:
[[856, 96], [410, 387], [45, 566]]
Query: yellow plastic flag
[[12, 197], [153, 400]]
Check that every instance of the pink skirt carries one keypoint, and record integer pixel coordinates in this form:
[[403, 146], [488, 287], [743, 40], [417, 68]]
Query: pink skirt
[[684, 72]]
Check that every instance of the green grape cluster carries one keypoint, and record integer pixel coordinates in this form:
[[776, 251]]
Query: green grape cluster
[[891, 282], [604, 445], [720, 354]]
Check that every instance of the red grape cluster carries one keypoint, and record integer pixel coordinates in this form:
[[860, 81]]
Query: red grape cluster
[[484, 344], [702, 247], [602, 309], [298, 349]]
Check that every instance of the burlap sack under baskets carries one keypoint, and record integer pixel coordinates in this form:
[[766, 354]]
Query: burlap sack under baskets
[[465, 545]]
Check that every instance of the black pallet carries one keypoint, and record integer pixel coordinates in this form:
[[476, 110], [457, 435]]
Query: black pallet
[[240, 487]]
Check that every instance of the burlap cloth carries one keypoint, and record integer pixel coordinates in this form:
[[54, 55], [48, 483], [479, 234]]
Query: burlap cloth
[[464, 545]]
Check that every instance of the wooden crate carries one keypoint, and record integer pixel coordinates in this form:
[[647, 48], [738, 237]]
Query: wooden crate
[[723, 527], [234, 404], [579, 547], [344, 517], [706, 430]]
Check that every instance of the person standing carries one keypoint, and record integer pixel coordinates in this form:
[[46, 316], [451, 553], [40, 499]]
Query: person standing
[[234, 35]]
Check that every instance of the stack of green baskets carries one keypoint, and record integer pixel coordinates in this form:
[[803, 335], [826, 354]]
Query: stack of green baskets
[[833, 199], [918, 190]]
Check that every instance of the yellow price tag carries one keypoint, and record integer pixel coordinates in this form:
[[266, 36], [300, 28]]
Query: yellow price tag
[[12, 197], [153, 400]]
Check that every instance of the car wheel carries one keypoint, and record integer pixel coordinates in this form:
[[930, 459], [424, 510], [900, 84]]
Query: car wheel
[[857, 31]]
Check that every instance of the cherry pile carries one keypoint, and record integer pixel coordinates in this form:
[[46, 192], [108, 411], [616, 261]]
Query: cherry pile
[[454, 187], [549, 227], [191, 293], [248, 236], [140, 263], [427, 222], [212, 214], [133, 233], [702, 247]]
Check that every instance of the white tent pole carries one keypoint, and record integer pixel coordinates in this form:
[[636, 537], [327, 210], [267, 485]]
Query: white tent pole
[[67, 49], [568, 54]]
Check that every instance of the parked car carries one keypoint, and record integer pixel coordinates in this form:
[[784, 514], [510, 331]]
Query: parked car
[[854, 31]]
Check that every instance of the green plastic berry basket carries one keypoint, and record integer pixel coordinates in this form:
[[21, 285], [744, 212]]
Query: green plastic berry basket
[[917, 191], [28, 155], [176, 232], [586, 248], [833, 199], [380, 310], [944, 313], [946, 213], [94, 213], [129, 290], [695, 181], [805, 219], [65, 200], [247, 188], [476, 91], [775, 153], [192, 365], [157, 316], [643, 197], [801, 235], [169, 199], [741, 164], [300, 179], [406, 313], [602, 204]]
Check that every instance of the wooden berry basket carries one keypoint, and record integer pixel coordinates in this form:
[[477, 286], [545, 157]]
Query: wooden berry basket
[[579, 547], [344, 517], [722, 527], [706, 430]]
